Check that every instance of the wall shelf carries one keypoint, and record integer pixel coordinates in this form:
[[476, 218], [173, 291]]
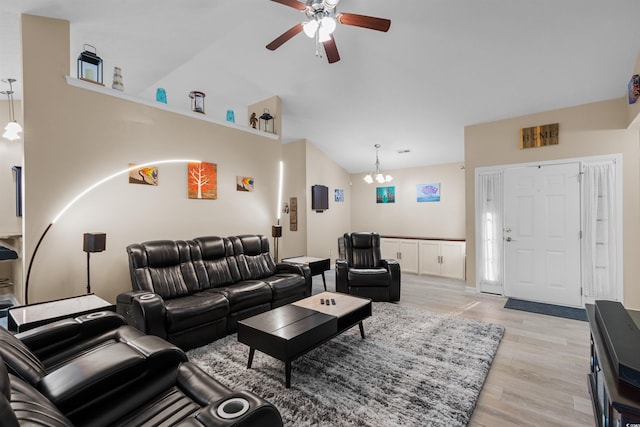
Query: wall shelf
[[72, 81]]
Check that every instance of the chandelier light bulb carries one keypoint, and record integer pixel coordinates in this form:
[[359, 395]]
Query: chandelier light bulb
[[368, 179], [12, 131]]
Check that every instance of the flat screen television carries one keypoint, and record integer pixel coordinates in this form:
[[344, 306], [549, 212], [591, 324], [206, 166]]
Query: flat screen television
[[319, 198]]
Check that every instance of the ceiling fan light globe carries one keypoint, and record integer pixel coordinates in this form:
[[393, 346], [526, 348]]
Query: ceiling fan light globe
[[323, 35], [328, 24], [330, 4], [310, 28]]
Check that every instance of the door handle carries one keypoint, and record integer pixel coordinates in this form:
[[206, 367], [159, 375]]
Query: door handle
[[507, 230], [508, 239]]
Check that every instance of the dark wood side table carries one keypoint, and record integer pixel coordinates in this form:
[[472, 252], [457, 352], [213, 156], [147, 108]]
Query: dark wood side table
[[25, 317], [316, 265], [615, 403]]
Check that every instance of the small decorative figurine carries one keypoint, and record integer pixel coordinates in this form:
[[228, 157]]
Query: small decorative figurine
[[231, 117], [197, 101], [117, 79], [253, 121], [161, 95]]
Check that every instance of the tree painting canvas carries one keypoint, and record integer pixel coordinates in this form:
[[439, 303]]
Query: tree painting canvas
[[203, 180], [147, 175]]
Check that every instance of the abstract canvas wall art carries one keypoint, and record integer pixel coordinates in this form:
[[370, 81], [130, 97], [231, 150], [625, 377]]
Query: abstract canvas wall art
[[385, 194], [202, 180], [339, 195], [428, 192], [244, 183], [147, 175]]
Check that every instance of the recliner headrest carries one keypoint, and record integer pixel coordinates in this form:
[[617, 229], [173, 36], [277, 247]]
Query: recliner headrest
[[251, 244], [165, 253], [211, 247], [361, 240]]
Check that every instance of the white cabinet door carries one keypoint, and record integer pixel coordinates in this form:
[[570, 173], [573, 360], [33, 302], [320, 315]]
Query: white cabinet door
[[452, 256], [403, 250], [430, 257], [389, 248], [408, 256]]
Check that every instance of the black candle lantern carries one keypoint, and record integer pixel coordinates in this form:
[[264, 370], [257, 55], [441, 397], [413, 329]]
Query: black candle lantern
[[197, 101], [265, 118], [90, 65]]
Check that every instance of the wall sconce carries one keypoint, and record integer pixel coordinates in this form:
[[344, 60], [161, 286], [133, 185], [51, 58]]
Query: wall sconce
[[90, 66], [266, 118], [197, 101], [12, 129], [93, 242]]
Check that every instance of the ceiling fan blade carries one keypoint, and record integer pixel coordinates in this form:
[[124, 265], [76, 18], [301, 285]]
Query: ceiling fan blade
[[292, 3], [370, 22], [331, 50], [284, 37]]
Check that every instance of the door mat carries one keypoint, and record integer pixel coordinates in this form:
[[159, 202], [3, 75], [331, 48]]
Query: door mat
[[548, 309]]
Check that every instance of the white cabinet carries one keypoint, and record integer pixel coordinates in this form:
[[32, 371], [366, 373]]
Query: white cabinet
[[403, 250], [442, 258]]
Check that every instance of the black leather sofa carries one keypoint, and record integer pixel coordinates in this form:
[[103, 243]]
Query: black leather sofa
[[94, 371], [193, 292]]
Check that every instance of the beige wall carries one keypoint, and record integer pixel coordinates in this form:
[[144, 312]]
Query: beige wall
[[406, 217], [294, 243], [323, 229], [587, 130], [75, 137]]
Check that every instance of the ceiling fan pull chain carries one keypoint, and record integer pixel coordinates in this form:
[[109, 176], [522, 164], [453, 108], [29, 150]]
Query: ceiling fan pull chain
[[318, 54]]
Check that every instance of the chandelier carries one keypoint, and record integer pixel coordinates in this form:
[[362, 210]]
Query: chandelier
[[13, 128], [377, 175]]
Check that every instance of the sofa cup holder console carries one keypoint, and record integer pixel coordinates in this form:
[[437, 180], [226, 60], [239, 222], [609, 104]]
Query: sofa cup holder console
[[233, 408]]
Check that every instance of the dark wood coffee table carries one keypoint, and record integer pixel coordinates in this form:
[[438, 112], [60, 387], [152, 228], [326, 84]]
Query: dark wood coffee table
[[291, 331]]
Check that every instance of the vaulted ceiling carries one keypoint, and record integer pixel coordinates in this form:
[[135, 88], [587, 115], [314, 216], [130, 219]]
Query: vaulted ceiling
[[442, 65]]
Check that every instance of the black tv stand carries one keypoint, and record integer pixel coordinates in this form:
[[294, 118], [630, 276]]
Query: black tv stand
[[615, 402]]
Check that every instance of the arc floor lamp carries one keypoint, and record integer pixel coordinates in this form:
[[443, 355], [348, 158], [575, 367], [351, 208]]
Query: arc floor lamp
[[81, 195]]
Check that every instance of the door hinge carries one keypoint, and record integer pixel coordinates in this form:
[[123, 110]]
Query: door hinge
[[580, 234]]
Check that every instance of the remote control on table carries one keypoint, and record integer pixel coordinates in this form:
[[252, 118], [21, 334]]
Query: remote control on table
[[322, 301], [327, 301], [333, 301]]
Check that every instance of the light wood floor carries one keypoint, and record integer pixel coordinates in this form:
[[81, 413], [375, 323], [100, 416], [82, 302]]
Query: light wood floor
[[539, 375]]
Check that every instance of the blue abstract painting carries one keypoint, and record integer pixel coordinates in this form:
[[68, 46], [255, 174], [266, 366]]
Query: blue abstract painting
[[428, 192]]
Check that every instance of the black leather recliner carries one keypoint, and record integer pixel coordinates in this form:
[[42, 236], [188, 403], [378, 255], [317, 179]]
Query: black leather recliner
[[100, 373], [364, 272]]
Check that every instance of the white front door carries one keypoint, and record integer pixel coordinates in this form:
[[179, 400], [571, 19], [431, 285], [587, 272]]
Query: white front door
[[542, 234]]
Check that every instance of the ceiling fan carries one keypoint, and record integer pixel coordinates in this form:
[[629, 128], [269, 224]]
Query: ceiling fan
[[322, 18]]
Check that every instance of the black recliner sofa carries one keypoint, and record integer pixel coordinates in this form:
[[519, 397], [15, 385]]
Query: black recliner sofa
[[193, 292], [94, 371]]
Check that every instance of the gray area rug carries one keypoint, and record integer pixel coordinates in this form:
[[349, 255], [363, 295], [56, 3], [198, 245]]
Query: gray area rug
[[414, 368]]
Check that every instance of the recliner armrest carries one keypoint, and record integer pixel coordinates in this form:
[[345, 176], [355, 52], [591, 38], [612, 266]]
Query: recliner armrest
[[53, 337], [393, 267], [342, 273], [301, 269], [255, 412], [143, 310]]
